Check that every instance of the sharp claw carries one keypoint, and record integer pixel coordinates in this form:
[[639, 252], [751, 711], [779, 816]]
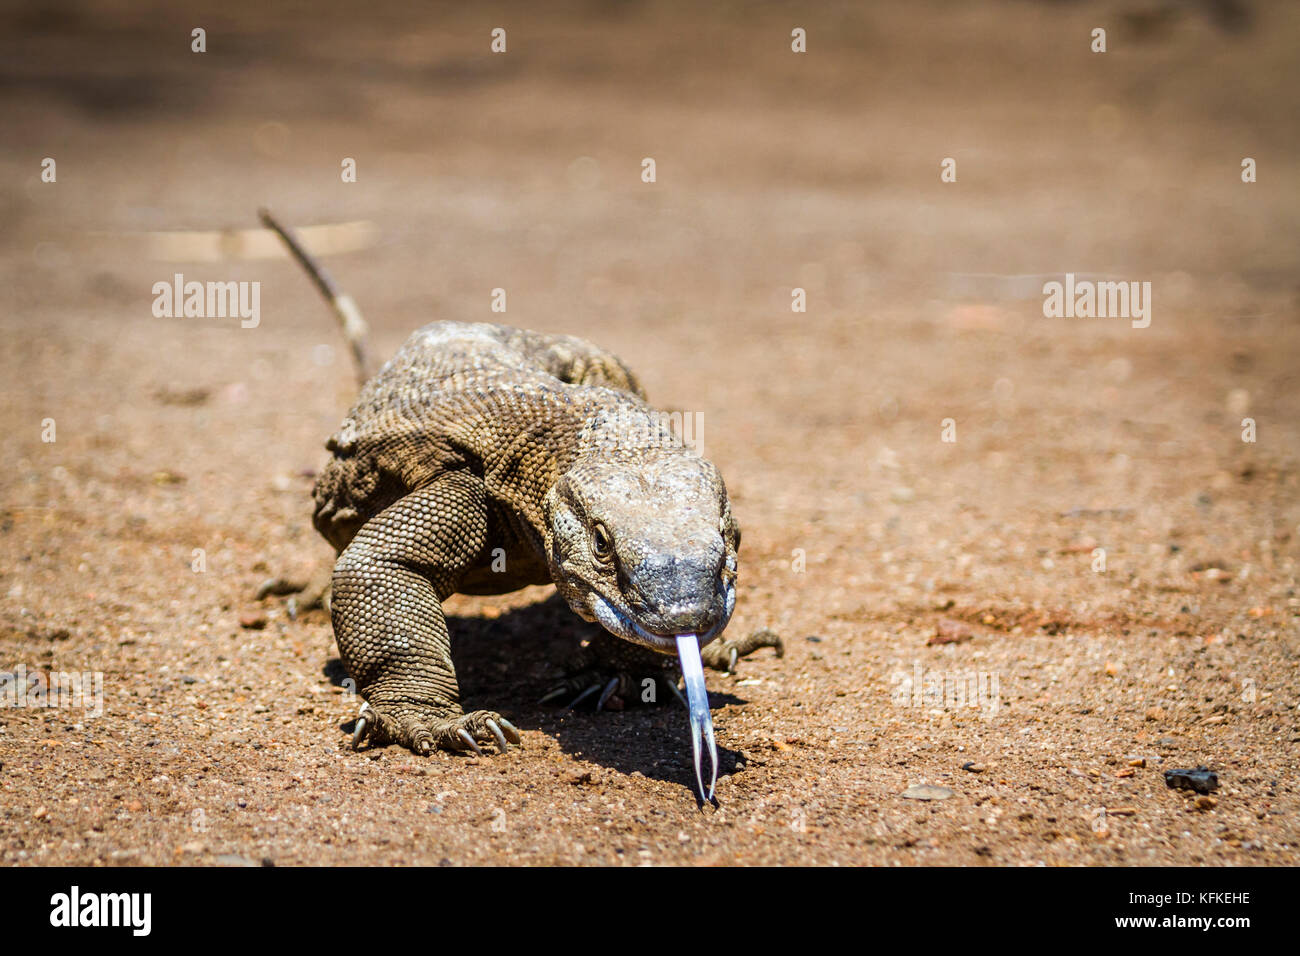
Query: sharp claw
[[677, 692], [496, 732], [735, 655], [583, 696], [605, 694], [688, 652], [551, 695], [512, 732], [363, 720], [469, 741]]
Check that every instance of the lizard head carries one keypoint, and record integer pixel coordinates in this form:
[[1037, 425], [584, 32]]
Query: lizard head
[[645, 544]]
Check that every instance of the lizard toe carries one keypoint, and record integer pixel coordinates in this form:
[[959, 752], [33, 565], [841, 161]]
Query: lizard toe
[[466, 732], [723, 654]]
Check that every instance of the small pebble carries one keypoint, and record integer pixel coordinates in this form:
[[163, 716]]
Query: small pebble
[[950, 631], [923, 791], [1201, 779]]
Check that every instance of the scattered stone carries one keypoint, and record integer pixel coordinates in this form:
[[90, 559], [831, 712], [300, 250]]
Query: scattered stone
[[181, 396], [1206, 803], [1121, 811], [1200, 779], [252, 621], [1080, 546], [1155, 713], [1137, 761], [923, 791], [1097, 513], [233, 859], [950, 631], [973, 767]]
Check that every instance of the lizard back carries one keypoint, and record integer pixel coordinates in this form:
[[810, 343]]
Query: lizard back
[[507, 404]]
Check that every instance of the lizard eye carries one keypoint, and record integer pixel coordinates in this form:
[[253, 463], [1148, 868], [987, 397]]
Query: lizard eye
[[604, 548]]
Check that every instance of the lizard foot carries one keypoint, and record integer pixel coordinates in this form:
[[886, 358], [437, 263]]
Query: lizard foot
[[608, 690], [422, 732], [722, 655], [310, 595], [610, 673]]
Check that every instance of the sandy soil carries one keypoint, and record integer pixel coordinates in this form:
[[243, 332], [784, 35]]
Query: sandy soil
[[879, 550]]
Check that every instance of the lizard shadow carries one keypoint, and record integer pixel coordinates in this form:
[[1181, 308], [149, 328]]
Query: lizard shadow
[[507, 662]]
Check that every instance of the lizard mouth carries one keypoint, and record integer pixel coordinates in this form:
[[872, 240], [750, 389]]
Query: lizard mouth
[[624, 625]]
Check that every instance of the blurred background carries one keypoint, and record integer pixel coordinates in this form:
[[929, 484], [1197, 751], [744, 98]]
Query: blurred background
[[478, 166]]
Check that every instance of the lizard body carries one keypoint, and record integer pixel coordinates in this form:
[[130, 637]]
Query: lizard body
[[483, 458]]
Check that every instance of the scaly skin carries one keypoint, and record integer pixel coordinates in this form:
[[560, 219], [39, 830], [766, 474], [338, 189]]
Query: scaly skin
[[478, 443]]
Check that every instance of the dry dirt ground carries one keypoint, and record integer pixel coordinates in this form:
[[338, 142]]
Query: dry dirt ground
[[1053, 691]]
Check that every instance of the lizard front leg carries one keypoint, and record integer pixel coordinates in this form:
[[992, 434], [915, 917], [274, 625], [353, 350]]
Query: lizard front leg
[[389, 585]]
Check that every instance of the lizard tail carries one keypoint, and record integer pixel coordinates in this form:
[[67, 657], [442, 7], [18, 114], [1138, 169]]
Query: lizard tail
[[353, 326]]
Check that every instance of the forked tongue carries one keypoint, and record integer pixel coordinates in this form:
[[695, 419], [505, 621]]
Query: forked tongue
[[697, 702]]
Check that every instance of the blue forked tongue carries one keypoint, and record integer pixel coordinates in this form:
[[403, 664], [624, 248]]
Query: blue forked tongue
[[697, 702]]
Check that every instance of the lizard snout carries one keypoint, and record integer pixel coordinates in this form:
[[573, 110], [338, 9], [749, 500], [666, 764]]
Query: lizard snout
[[674, 594]]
